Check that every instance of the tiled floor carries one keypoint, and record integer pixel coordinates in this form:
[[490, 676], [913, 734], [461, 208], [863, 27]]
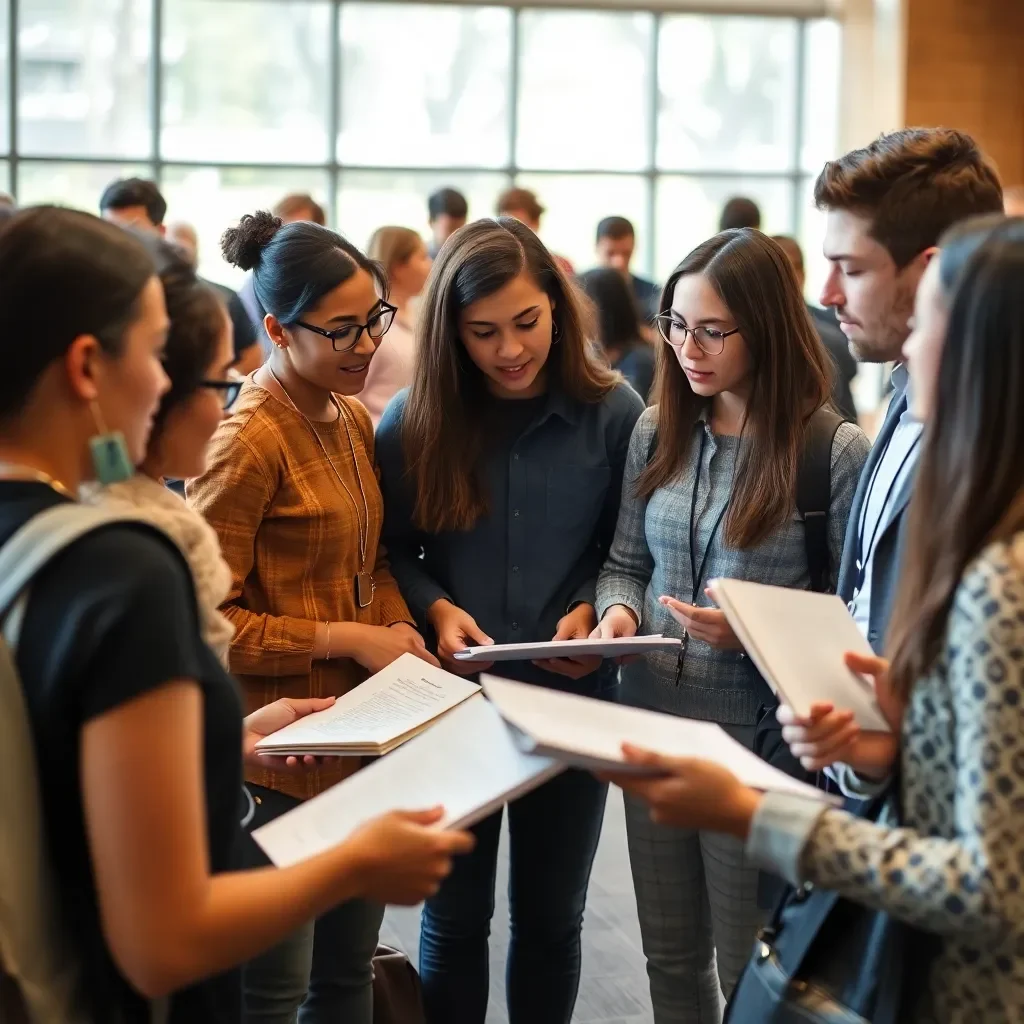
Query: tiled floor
[[613, 989]]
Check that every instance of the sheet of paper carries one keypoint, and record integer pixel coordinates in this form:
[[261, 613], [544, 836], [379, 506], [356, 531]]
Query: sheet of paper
[[797, 640], [569, 649], [468, 761], [405, 695], [589, 733]]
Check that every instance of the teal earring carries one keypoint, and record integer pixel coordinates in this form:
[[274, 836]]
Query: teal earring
[[109, 452]]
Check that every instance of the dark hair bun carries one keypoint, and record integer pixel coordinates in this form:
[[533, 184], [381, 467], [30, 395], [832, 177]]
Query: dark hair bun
[[243, 246]]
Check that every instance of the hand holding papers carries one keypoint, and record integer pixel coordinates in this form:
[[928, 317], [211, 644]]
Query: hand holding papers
[[590, 734], [798, 639], [569, 648], [377, 716], [468, 761]]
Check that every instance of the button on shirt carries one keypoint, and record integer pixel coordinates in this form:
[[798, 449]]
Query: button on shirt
[[892, 474], [552, 471]]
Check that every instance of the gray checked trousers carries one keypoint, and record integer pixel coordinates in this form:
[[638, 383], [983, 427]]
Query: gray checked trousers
[[695, 895]]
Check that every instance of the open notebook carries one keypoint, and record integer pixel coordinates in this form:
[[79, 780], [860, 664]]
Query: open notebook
[[377, 716], [468, 761], [588, 733], [797, 639]]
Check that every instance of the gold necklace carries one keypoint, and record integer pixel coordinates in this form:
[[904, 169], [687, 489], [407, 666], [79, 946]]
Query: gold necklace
[[19, 471], [365, 585]]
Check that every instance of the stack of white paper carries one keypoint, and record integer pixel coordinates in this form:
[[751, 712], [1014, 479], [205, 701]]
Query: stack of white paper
[[377, 716], [797, 640], [589, 734], [616, 648], [468, 762]]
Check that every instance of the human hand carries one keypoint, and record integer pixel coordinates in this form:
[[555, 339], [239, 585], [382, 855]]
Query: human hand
[[707, 624], [689, 792], [456, 630], [271, 717], [829, 735], [577, 625], [376, 647], [618, 621], [402, 857]]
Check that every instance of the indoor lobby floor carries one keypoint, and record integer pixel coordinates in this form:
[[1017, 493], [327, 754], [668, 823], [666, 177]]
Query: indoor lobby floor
[[613, 989]]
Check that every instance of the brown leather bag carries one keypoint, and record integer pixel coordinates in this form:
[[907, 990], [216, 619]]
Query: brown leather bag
[[397, 992]]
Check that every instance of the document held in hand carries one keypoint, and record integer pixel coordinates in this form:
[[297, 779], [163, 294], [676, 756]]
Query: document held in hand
[[468, 761], [570, 649], [589, 733], [378, 715], [797, 639]]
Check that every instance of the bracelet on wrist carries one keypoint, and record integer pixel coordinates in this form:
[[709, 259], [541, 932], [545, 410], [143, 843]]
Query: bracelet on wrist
[[327, 656]]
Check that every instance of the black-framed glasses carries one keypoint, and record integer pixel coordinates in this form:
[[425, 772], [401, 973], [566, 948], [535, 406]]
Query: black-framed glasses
[[344, 339], [708, 339], [229, 389]]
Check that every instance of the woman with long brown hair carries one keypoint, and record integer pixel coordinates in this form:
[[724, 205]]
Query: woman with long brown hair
[[501, 470], [710, 490], [954, 692]]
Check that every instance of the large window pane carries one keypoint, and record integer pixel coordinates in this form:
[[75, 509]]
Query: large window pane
[[212, 199], [812, 237], [583, 92], [727, 93], [246, 80], [823, 61], [83, 78], [5, 176], [368, 200], [688, 210], [424, 85], [5, 134], [77, 185], [575, 203]]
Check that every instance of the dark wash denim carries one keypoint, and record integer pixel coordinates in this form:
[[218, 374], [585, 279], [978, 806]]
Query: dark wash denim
[[553, 836]]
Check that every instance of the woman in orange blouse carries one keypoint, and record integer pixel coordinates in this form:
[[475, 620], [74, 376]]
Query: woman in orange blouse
[[292, 493]]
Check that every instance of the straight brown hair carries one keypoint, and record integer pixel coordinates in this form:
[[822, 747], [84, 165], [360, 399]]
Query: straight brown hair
[[913, 185], [790, 380], [391, 246], [969, 490], [443, 426]]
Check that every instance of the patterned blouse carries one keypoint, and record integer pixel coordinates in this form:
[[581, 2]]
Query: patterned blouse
[[956, 867], [289, 532]]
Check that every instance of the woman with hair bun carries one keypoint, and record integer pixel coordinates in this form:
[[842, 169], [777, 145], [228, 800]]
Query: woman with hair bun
[[291, 490]]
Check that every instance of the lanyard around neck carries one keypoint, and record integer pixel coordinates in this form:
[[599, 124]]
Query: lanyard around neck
[[697, 570]]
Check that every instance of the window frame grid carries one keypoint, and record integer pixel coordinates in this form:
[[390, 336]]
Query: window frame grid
[[795, 176]]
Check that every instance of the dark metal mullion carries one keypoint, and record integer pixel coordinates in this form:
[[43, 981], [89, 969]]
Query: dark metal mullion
[[156, 87], [334, 113], [12, 94], [801, 126], [513, 95], [653, 98]]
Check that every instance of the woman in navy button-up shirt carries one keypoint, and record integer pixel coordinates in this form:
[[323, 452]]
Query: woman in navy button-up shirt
[[501, 472]]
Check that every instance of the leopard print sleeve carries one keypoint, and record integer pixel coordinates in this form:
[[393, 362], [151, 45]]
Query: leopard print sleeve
[[959, 868]]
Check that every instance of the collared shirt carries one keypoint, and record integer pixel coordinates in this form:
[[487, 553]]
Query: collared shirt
[[891, 474], [552, 471]]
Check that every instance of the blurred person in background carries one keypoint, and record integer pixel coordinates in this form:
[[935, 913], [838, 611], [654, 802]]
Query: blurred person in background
[[7, 200], [248, 354], [134, 203], [524, 206], [832, 337], [402, 254], [1013, 201], [619, 327], [296, 206], [447, 209], [616, 242], [740, 212], [7, 208]]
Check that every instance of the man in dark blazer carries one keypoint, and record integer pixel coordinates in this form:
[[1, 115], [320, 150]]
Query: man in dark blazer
[[887, 205]]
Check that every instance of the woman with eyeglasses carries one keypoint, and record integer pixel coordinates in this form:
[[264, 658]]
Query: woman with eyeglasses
[[291, 491], [710, 491], [502, 469]]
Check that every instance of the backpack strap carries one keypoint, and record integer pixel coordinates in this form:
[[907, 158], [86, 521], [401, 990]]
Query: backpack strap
[[36, 952], [814, 493]]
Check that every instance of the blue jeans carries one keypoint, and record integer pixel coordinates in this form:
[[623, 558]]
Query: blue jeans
[[321, 974], [553, 835]]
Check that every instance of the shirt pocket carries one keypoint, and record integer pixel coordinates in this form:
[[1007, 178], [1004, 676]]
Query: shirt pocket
[[575, 496]]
